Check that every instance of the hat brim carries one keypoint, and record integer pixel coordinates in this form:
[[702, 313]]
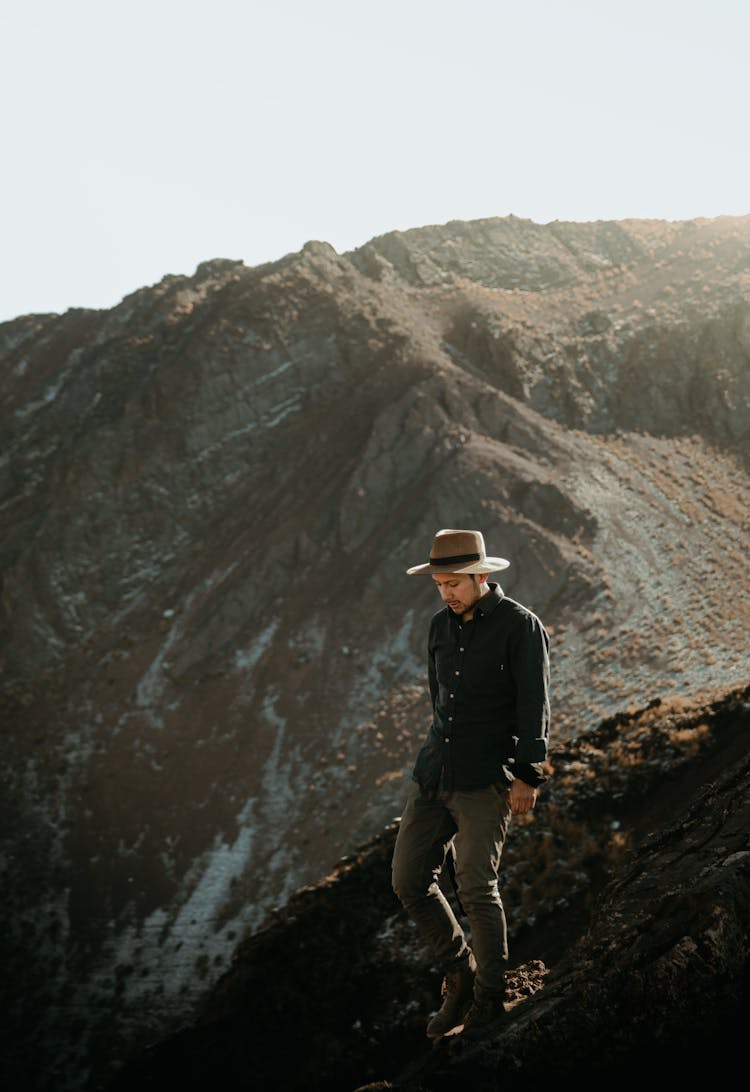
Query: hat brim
[[488, 565]]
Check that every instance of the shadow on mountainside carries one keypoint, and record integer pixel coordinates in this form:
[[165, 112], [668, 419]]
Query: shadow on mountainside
[[632, 880]]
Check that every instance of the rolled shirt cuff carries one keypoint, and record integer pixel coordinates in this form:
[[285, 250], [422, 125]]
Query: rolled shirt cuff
[[530, 772]]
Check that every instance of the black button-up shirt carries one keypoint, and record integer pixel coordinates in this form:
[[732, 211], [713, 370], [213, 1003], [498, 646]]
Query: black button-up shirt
[[489, 683]]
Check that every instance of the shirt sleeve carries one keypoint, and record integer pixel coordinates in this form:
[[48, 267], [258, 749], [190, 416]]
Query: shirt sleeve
[[530, 772], [431, 669], [532, 676]]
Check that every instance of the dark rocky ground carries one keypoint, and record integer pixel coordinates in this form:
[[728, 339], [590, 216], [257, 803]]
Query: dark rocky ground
[[635, 967]]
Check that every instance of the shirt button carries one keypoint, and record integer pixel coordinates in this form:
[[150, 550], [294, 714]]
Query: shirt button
[[456, 672], [446, 740], [460, 650], [450, 718], [451, 695]]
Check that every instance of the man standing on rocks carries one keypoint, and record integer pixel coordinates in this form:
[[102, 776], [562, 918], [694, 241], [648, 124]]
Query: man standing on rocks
[[488, 670]]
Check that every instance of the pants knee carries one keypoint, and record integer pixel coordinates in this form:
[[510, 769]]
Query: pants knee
[[403, 887], [478, 894], [409, 888]]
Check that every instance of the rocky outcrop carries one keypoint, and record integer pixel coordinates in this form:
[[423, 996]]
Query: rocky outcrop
[[212, 661], [637, 325]]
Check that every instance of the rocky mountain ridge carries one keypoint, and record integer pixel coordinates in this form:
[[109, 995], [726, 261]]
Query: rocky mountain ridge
[[213, 682]]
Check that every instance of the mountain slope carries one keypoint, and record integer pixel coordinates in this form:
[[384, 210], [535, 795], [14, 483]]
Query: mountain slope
[[213, 682]]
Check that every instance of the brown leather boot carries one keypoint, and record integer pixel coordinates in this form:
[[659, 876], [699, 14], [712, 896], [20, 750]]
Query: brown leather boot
[[486, 1016], [457, 990]]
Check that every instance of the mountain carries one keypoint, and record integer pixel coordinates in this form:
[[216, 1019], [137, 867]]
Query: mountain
[[213, 664]]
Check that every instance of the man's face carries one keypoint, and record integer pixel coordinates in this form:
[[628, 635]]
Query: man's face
[[460, 590]]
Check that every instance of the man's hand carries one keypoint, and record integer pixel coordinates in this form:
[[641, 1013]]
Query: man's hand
[[522, 797]]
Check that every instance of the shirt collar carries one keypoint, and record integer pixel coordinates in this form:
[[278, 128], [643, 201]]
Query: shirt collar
[[488, 602]]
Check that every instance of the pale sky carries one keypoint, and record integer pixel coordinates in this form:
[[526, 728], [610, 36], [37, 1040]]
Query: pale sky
[[141, 137]]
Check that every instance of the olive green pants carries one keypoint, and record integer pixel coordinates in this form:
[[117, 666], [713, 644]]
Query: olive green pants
[[474, 824]]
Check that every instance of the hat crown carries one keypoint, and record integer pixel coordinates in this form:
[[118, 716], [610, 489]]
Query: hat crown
[[458, 546]]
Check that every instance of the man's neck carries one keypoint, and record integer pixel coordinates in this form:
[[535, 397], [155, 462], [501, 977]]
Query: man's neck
[[469, 614]]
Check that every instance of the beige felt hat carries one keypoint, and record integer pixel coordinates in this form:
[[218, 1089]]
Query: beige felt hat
[[459, 552]]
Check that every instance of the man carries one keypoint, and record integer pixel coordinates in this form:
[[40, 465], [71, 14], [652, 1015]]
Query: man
[[488, 669]]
